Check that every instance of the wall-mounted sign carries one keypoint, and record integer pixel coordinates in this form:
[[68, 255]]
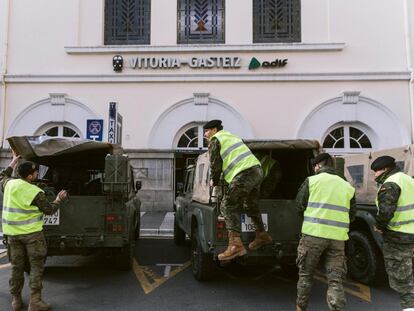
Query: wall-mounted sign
[[277, 63], [192, 62], [114, 124], [94, 129]]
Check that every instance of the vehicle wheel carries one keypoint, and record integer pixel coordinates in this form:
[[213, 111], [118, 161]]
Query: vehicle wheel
[[365, 263], [123, 257], [179, 234], [202, 263]]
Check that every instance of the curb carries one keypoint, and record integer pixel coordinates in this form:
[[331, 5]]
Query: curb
[[156, 232]]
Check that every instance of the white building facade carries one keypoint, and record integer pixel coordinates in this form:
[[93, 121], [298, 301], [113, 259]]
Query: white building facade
[[337, 71]]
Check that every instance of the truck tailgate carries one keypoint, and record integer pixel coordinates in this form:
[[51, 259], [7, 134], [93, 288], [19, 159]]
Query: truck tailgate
[[81, 215], [284, 223]]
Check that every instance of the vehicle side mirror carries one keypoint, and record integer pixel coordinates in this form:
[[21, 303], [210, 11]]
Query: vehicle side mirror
[[138, 185]]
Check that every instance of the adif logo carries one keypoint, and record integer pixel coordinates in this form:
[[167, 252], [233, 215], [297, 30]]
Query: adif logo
[[277, 63]]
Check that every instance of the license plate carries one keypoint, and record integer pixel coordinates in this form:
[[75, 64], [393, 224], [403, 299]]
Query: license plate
[[51, 220], [247, 223]]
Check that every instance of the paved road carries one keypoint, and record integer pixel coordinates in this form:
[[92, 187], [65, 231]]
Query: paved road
[[162, 280]]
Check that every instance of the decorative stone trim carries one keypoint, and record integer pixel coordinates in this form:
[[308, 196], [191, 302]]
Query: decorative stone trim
[[350, 97], [201, 98], [205, 48], [57, 98], [211, 77]]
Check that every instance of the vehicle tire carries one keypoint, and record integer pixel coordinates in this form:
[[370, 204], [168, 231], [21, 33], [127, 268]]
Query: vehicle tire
[[202, 263], [179, 234], [365, 263], [123, 257]]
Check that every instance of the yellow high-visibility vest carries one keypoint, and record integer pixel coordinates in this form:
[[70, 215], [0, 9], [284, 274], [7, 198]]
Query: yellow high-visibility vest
[[327, 213], [19, 216], [236, 156], [403, 219]]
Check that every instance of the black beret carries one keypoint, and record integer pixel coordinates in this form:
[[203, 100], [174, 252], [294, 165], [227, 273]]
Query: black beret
[[212, 124], [320, 157], [382, 162], [26, 168]]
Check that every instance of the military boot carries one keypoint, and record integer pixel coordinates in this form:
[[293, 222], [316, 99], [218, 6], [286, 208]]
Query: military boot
[[262, 238], [37, 304], [17, 302], [235, 248]]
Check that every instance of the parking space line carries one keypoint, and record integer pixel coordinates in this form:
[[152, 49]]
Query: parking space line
[[363, 291], [150, 280]]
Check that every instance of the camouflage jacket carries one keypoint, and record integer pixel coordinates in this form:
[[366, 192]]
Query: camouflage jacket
[[40, 200], [303, 194], [388, 195], [216, 162]]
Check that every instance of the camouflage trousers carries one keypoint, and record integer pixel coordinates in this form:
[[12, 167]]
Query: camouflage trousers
[[31, 247], [398, 260], [243, 194], [310, 251]]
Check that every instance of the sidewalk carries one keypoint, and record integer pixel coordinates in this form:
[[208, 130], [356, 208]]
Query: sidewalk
[[157, 224], [152, 224]]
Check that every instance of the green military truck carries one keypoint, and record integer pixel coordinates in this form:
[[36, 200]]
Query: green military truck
[[364, 249], [103, 210], [197, 210]]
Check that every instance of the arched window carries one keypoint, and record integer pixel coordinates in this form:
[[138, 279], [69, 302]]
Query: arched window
[[347, 139], [192, 138], [59, 130]]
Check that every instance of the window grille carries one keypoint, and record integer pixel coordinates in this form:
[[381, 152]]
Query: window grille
[[127, 21], [276, 21], [60, 131], [200, 21], [347, 139], [193, 139]]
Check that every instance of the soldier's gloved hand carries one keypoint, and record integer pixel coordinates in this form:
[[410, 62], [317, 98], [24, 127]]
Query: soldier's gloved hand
[[61, 196], [15, 159]]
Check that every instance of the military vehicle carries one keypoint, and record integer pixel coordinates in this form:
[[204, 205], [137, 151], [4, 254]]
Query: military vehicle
[[364, 249], [102, 211], [197, 210]]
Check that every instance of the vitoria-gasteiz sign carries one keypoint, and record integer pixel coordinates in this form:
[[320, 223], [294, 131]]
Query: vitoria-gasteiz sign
[[224, 62]]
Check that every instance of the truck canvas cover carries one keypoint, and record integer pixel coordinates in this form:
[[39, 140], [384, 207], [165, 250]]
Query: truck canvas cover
[[358, 171], [54, 151], [202, 177]]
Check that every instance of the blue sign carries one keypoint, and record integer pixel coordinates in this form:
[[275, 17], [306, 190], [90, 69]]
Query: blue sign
[[94, 129]]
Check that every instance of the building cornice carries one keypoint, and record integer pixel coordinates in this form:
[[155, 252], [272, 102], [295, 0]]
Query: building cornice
[[258, 47], [210, 77]]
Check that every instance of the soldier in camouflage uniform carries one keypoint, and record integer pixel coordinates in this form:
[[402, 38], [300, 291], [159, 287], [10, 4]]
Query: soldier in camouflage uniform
[[243, 173], [272, 176], [23, 207], [328, 205], [395, 220]]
